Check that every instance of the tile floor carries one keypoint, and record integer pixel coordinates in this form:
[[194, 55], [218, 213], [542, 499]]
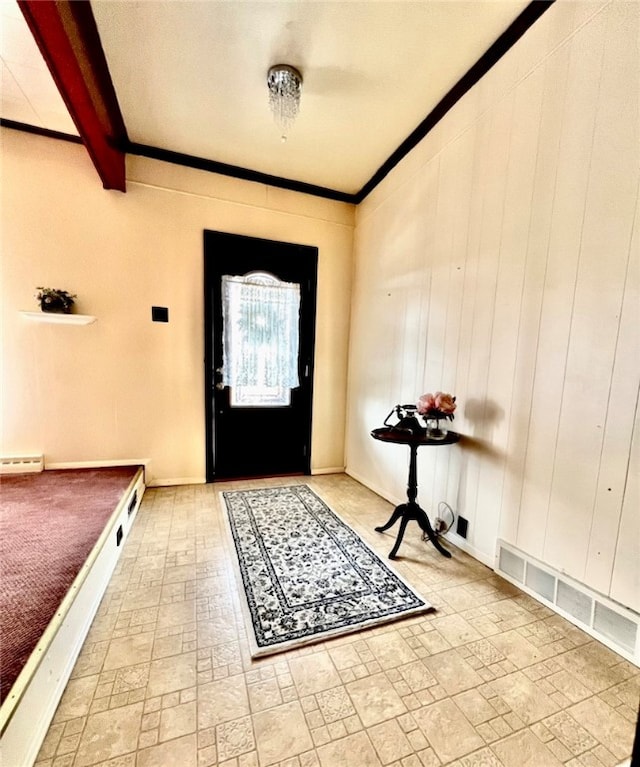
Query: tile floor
[[491, 678]]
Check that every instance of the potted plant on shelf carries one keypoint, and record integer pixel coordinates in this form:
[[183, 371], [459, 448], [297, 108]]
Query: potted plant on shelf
[[54, 300]]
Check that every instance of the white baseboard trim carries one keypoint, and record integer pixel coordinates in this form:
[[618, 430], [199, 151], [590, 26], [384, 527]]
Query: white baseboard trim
[[328, 470], [373, 487], [609, 608], [463, 544], [457, 540], [170, 481]]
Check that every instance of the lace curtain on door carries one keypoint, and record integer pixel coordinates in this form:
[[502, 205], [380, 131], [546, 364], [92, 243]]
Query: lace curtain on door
[[260, 340]]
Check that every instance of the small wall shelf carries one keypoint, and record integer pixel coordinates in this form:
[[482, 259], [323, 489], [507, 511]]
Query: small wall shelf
[[59, 319]]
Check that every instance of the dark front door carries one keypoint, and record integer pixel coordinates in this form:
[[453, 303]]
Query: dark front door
[[260, 304]]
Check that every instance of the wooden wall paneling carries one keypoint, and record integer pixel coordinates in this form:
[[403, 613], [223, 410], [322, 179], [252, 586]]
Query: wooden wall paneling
[[439, 284], [553, 30], [514, 236], [413, 335], [594, 320], [461, 157], [603, 429], [423, 250], [426, 211], [613, 563], [425, 215], [618, 194], [479, 134], [493, 185], [416, 251], [397, 279], [549, 130], [409, 246], [421, 194], [433, 462], [625, 580], [564, 244], [533, 46], [459, 171], [514, 318]]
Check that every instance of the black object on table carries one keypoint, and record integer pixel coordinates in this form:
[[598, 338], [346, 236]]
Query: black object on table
[[410, 510]]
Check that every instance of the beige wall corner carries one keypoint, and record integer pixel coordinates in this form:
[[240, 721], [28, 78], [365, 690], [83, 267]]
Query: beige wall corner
[[124, 386]]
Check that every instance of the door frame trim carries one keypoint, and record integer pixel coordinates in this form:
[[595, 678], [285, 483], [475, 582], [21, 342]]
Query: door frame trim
[[311, 291], [208, 362]]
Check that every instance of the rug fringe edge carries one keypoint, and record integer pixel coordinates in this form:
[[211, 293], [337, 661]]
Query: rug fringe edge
[[263, 652]]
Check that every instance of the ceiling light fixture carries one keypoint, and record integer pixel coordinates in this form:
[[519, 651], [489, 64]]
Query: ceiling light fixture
[[285, 86]]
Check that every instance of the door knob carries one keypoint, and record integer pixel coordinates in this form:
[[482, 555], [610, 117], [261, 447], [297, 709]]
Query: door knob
[[219, 386]]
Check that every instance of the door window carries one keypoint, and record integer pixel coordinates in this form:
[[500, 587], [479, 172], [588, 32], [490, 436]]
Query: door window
[[260, 316]]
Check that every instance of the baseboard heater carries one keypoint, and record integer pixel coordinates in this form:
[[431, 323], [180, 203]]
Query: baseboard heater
[[30, 464], [615, 626]]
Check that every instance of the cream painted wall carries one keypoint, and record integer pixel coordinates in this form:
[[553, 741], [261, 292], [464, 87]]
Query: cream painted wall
[[500, 262], [124, 387]]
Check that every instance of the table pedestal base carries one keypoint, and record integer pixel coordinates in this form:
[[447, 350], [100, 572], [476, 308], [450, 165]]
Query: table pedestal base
[[405, 513], [410, 510]]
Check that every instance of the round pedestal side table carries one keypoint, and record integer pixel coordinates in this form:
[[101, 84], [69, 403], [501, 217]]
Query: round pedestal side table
[[410, 510]]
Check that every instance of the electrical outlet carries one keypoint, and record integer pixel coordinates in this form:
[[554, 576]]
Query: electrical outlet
[[462, 526]]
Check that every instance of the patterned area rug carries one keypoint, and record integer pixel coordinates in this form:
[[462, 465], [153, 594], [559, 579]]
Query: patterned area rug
[[306, 575]]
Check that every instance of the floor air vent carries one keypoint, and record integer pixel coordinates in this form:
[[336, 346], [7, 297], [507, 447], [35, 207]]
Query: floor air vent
[[24, 465], [613, 625]]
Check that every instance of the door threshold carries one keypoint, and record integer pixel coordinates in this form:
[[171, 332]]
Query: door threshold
[[260, 476]]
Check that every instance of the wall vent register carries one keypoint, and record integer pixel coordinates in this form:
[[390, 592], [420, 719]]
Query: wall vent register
[[612, 624]]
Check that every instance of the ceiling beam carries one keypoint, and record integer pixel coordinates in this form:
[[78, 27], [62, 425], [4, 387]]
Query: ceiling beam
[[67, 35]]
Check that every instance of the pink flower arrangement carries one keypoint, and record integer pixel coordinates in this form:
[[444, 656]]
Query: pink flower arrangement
[[438, 405]]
